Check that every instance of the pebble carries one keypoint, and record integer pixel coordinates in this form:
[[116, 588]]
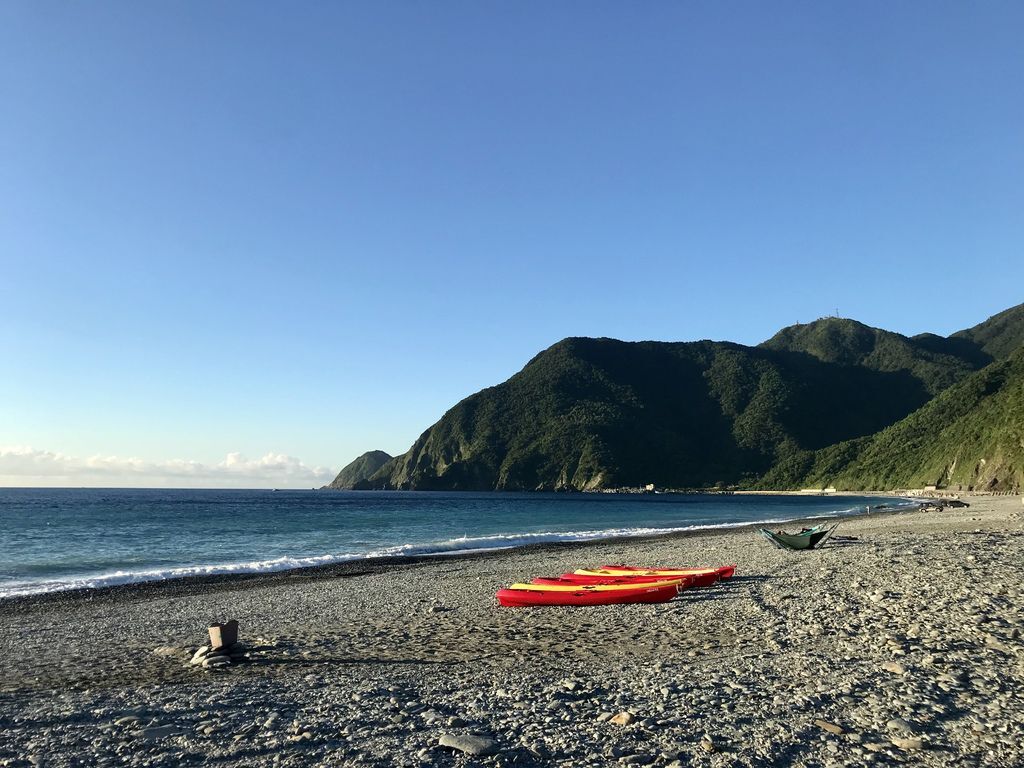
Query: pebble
[[157, 732], [471, 744], [623, 718], [909, 744], [900, 725], [830, 727]]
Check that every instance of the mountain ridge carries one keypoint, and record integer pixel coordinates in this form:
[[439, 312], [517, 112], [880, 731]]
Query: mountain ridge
[[597, 413]]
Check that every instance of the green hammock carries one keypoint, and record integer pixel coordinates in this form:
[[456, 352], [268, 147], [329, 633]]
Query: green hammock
[[810, 538]]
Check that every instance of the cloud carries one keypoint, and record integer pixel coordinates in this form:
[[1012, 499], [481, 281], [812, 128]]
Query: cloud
[[31, 467]]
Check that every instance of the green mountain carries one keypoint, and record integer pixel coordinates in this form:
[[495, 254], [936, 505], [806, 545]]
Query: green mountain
[[846, 342], [593, 413], [360, 470], [971, 435], [815, 403], [998, 336]]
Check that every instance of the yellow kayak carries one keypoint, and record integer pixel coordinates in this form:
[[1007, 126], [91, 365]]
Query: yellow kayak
[[696, 577], [597, 587], [611, 572]]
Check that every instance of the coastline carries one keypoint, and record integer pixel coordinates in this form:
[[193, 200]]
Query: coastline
[[884, 646], [240, 580]]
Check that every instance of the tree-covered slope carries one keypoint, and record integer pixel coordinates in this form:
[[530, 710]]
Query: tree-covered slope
[[360, 470], [971, 435], [590, 413], [998, 336], [934, 361]]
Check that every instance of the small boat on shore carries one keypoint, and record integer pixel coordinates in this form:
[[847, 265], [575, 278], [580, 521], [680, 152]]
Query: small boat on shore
[[723, 571], [700, 577], [529, 595], [674, 583], [574, 580]]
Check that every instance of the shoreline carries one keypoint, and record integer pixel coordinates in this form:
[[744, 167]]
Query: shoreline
[[882, 647], [242, 580]]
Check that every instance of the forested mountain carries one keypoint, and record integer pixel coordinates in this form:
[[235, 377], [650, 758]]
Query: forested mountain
[[999, 336], [847, 342], [360, 470], [970, 436], [598, 413]]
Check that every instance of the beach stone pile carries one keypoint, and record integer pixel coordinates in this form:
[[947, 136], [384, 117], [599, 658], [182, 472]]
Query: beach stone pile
[[223, 650], [216, 658]]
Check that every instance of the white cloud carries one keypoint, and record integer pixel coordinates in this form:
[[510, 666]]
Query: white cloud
[[31, 467]]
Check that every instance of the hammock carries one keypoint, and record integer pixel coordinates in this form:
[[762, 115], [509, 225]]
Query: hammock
[[812, 538]]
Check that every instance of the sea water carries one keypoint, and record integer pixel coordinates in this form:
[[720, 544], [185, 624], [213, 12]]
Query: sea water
[[56, 539]]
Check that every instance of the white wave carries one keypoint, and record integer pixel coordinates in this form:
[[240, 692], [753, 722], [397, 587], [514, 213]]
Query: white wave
[[116, 578]]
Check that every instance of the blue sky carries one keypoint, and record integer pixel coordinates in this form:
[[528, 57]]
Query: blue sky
[[292, 235]]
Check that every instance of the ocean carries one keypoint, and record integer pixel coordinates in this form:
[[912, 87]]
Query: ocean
[[57, 539]]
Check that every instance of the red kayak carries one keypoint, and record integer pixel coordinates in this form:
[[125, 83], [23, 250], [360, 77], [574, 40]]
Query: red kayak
[[524, 598], [724, 571], [574, 578]]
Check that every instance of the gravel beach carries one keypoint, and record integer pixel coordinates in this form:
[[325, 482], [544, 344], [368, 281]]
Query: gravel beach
[[898, 643]]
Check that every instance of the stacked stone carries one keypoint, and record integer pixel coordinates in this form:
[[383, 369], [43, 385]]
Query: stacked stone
[[211, 658], [223, 650]]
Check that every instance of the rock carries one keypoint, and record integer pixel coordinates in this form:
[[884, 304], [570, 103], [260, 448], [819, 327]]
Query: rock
[[157, 732], [637, 759], [127, 720], [830, 727], [623, 718], [898, 725], [212, 662], [200, 654], [470, 744], [909, 744], [895, 667], [708, 744], [993, 642]]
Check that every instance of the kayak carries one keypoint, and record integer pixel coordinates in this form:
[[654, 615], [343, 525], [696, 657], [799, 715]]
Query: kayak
[[723, 571], [526, 595], [700, 577], [673, 583], [575, 578]]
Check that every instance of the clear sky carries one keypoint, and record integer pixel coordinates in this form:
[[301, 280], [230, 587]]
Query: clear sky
[[242, 243]]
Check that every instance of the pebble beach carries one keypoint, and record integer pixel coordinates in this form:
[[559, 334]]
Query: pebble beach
[[898, 643]]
